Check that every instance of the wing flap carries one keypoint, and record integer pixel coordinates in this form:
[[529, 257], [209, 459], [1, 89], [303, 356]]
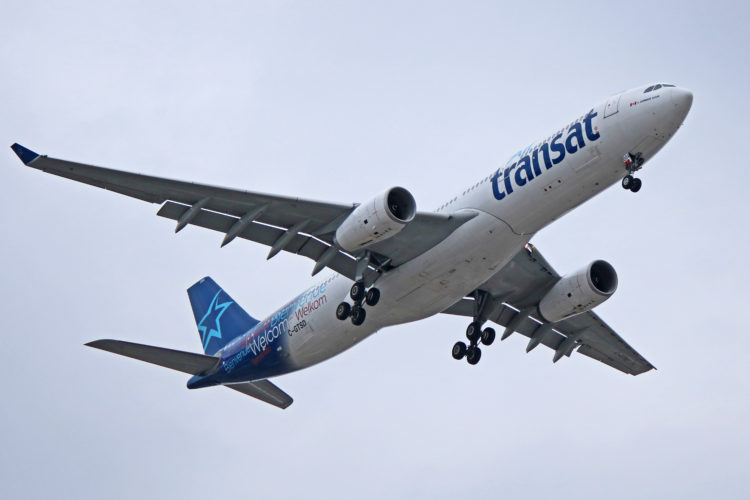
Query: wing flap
[[301, 244], [265, 391], [186, 362]]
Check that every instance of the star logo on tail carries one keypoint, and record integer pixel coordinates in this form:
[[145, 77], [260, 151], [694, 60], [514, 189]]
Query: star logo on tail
[[210, 326]]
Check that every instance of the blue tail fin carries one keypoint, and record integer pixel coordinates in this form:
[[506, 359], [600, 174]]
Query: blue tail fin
[[220, 319]]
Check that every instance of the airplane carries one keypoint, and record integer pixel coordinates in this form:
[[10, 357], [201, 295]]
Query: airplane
[[393, 264]]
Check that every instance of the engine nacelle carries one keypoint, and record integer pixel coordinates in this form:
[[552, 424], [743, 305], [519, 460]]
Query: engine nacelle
[[378, 219], [579, 292]]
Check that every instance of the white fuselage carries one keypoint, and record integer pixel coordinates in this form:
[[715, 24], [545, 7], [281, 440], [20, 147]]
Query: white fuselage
[[512, 204]]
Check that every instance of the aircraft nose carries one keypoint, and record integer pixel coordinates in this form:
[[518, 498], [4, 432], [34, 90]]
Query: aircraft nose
[[681, 101], [682, 98]]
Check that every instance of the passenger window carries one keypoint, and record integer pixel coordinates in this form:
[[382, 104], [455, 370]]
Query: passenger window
[[648, 89], [667, 85]]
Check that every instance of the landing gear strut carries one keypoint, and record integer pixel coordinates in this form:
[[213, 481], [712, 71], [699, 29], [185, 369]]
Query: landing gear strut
[[633, 163], [359, 294], [474, 333]]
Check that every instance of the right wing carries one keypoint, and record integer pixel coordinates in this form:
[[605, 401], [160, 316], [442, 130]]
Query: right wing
[[295, 225], [510, 298]]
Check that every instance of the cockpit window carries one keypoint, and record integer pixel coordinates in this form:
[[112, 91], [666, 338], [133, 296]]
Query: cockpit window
[[657, 87]]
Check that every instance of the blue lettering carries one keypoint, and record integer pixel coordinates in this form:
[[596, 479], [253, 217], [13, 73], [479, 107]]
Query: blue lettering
[[527, 168], [508, 187], [559, 148], [524, 166], [576, 132], [589, 131], [495, 188], [545, 153]]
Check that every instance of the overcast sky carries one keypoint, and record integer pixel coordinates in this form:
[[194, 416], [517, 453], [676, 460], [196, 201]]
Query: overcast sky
[[337, 101]]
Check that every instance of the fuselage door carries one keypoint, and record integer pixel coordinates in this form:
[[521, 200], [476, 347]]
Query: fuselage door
[[612, 105]]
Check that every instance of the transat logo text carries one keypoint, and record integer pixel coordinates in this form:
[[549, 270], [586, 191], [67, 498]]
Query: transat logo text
[[553, 151]]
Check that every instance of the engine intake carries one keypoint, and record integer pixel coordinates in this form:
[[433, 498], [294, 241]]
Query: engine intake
[[377, 220], [579, 292]]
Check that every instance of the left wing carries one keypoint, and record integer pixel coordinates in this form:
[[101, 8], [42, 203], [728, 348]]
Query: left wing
[[510, 298], [304, 227]]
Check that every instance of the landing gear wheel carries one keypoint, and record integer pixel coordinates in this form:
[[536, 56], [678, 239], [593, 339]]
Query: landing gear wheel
[[372, 297], [343, 310], [488, 336], [473, 331], [635, 186], [473, 354], [358, 315], [357, 291], [627, 181], [459, 350]]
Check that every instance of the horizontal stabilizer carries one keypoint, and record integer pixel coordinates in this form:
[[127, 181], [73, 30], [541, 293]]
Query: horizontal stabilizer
[[186, 362], [265, 391]]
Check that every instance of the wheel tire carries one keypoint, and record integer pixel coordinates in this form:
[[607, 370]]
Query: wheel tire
[[488, 336], [358, 315], [473, 355], [473, 331], [459, 350], [372, 297], [343, 310], [357, 291], [627, 181], [636, 185]]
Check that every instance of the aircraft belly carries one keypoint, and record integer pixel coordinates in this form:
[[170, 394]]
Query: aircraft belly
[[416, 290], [443, 275]]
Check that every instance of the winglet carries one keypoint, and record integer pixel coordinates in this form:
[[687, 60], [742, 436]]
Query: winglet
[[26, 155]]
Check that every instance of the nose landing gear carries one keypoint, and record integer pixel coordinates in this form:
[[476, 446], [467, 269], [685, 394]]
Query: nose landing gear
[[358, 294], [631, 183], [633, 163]]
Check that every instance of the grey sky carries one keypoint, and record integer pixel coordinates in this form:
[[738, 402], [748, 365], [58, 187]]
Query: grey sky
[[336, 101]]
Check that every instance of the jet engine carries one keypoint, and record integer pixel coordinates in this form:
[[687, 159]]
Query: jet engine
[[579, 292], [378, 219]]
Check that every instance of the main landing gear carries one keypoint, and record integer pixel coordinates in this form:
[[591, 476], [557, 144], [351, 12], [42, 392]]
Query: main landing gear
[[358, 294], [633, 163], [475, 334]]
